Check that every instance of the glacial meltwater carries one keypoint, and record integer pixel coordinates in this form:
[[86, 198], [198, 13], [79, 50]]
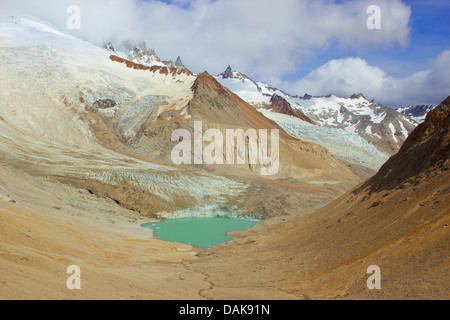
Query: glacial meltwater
[[199, 232]]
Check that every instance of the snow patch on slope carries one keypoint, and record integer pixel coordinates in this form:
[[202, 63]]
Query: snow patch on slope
[[393, 131], [245, 89]]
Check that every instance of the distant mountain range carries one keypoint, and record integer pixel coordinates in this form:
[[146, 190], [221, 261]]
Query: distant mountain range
[[416, 113], [381, 126], [140, 54], [378, 125]]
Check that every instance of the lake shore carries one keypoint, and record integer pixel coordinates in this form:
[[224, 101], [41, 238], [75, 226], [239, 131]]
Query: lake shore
[[46, 226]]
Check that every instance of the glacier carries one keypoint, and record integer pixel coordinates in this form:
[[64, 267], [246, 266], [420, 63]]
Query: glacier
[[345, 145]]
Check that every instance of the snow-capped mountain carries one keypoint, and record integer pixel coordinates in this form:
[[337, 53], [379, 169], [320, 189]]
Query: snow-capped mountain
[[178, 64], [131, 99], [416, 113], [140, 54], [148, 57], [382, 126], [255, 93], [54, 85]]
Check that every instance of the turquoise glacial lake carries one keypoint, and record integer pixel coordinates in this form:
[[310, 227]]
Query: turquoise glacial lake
[[199, 232]]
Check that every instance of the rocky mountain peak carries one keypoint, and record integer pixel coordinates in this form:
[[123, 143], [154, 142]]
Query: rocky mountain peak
[[206, 79], [137, 53], [109, 46], [178, 64], [228, 73], [233, 74], [357, 96], [141, 46]]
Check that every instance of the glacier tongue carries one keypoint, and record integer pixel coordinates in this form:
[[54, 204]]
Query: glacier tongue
[[344, 145], [209, 211]]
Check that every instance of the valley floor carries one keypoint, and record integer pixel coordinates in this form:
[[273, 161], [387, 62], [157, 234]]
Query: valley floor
[[47, 226]]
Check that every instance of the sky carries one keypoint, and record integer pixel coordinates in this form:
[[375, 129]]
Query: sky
[[318, 47]]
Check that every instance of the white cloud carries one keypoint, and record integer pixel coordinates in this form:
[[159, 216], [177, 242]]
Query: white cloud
[[344, 77], [266, 38]]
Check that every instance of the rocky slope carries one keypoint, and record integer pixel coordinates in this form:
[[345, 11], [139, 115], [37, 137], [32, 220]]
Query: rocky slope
[[397, 220], [424, 155], [280, 105]]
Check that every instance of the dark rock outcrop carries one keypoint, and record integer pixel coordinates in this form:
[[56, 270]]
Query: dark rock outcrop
[[280, 105], [228, 73], [424, 154], [104, 104]]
